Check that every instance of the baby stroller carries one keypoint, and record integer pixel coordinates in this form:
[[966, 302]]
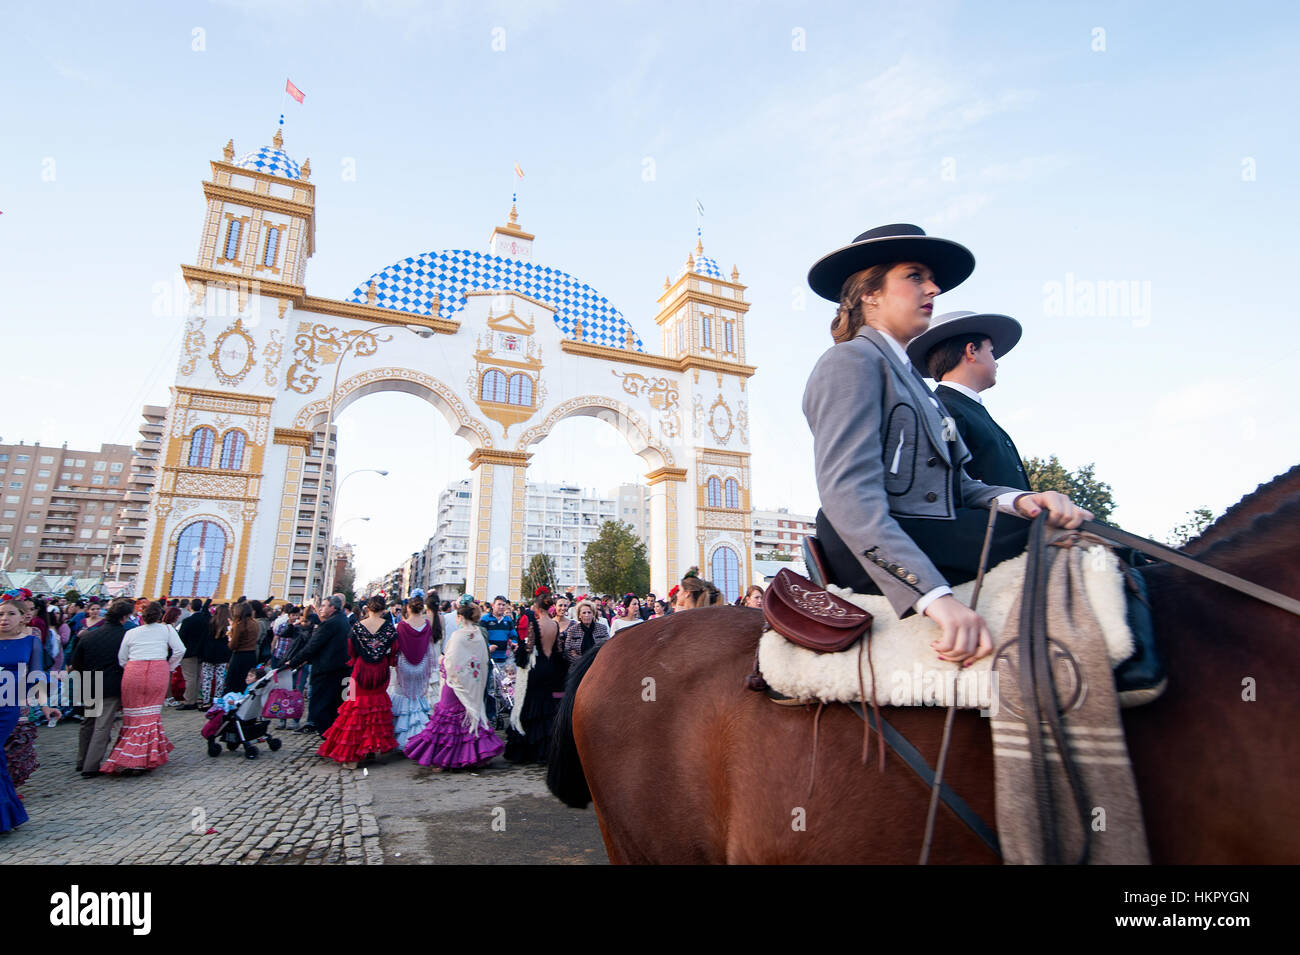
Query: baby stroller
[[244, 725]]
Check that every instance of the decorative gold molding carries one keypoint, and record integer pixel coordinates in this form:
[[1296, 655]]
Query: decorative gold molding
[[257, 200], [230, 395], [292, 437], [660, 475], [262, 286], [682, 364], [230, 169], [376, 314], [514, 459]]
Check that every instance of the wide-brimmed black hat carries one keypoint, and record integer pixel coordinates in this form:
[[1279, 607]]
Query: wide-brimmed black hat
[[951, 263], [1003, 330]]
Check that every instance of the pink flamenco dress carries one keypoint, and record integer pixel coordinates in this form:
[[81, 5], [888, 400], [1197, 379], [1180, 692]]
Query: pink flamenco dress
[[365, 721], [459, 734]]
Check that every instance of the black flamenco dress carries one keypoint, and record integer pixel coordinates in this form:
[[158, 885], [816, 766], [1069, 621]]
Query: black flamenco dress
[[541, 702]]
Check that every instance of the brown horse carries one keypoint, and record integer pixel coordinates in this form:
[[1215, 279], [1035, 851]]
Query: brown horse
[[685, 765]]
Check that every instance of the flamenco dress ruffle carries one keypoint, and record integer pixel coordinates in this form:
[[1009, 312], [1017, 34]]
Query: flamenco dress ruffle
[[365, 722], [446, 743], [142, 743], [12, 813]]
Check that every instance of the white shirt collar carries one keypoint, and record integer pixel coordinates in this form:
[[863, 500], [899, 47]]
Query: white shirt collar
[[968, 392], [899, 350]]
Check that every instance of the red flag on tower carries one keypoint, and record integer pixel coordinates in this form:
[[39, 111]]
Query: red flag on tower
[[293, 90], [519, 172]]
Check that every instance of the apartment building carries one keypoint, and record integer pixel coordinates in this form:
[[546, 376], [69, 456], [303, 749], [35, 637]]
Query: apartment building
[[79, 514], [780, 532]]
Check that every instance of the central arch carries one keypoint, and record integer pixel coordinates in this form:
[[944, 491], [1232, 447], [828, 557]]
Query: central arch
[[631, 425], [405, 380]]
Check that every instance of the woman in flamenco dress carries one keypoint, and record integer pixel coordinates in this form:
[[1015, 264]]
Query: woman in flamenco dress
[[459, 736], [365, 722]]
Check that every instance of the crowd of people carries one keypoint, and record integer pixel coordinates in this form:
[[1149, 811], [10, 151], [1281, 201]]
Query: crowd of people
[[365, 675]]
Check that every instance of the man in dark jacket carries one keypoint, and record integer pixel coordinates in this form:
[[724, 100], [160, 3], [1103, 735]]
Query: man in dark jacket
[[96, 657], [960, 352], [327, 652], [193, 630]]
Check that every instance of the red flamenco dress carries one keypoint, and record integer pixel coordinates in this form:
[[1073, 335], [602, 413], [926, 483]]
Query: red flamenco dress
[[365, 720]]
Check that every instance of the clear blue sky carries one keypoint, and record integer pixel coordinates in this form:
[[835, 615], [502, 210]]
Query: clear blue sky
[[998, 125]]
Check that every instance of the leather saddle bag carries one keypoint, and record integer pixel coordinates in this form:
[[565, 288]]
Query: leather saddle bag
[[811, 617]]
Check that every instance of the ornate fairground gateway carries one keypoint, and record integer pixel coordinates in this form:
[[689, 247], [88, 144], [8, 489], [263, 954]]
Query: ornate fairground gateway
[[502, 346]]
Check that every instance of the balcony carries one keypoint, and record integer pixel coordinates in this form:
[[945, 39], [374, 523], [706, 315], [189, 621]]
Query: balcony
[[132, 532]]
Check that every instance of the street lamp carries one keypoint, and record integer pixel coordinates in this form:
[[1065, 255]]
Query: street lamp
[[329, 548], [329, 423]]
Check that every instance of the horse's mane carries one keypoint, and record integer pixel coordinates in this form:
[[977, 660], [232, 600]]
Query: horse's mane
[[1266, 498], [1263, 536]]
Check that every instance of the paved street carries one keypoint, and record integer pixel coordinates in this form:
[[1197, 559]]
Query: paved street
[[289, 807]]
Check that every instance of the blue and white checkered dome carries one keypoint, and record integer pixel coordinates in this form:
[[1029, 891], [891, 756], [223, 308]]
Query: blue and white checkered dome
[[707, 266], [410, 285], [274, 162]]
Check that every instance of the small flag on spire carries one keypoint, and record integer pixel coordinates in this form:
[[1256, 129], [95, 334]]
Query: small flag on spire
[[699, 207], [519, 172], [293, 90]]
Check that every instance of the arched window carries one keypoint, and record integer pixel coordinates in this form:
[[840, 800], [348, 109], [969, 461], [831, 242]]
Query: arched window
[[232, 450], [521, 391], [232, 240], [271, 248], [715, 492], [494, 386], [196, 565], [725, 571], [201, 442], [733, 492]]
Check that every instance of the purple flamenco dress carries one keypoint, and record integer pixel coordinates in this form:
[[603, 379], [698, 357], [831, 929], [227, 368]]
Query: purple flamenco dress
[[459, 735]]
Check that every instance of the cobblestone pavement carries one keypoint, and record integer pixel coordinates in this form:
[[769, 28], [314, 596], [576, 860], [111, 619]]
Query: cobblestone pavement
[[289, 806]]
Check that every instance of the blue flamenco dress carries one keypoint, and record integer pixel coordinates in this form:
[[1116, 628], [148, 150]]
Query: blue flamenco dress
[[13, 654]]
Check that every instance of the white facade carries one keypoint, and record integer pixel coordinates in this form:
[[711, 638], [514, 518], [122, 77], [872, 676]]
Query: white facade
[[519, 347]]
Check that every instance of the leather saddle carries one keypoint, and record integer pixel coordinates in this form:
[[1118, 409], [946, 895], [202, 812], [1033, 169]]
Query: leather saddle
[[811, 617]]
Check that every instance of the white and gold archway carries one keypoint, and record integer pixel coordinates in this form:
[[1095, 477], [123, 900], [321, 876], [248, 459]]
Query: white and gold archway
[[514, 348]]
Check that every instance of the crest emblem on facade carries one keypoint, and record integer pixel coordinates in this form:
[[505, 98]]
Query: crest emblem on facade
[[507, 383]]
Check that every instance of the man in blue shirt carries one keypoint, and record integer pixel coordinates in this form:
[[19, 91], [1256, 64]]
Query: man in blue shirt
[[498, 627]]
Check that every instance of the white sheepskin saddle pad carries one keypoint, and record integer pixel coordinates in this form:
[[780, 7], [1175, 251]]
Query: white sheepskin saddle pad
[[907, 671]]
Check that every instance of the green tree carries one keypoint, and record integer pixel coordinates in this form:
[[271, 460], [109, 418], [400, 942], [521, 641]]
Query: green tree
[[346, 584], [616, 562], [1080, 486], [540, 573], [1192, 527]]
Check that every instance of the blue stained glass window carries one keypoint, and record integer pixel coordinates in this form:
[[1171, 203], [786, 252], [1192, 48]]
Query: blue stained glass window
[[521, 390], [232, 450], [196, 566], [232, 240], [494, 386], [706, 332], [725, 571], [729, 334], [201, 442], [272, 245], [715, 492], [733, 492]]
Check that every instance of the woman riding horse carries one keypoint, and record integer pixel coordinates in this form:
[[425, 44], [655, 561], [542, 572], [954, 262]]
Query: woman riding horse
[[884, 446]]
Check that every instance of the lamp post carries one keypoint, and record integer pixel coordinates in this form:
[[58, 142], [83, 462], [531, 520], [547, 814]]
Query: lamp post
[[329, 423], [329, 548]]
